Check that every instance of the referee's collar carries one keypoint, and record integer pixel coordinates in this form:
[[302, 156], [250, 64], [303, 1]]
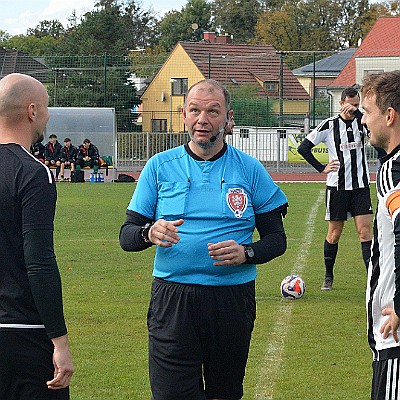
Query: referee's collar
[[213, 158]]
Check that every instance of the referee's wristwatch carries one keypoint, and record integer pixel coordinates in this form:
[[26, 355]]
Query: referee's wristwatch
[[144, 232], [249, 254]]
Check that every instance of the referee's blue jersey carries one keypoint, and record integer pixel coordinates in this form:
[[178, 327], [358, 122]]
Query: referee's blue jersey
[[218, 201]]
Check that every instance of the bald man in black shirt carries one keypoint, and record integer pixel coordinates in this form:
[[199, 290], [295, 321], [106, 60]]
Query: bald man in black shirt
[[35, 360]]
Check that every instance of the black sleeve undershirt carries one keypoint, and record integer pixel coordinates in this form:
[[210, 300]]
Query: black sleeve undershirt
[[130, 238], [272, 241], [44, 279], [305, 151], [269, 225]]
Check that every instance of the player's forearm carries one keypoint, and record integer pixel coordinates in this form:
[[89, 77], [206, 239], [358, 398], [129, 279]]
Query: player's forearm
[[130, 237], [44, 279], [305, 151]]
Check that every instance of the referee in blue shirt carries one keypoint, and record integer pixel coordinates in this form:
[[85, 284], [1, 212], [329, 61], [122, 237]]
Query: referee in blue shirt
[[199, 204]]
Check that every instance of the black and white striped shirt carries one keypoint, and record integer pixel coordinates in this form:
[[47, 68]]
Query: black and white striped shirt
[[383, 287], [345, 140]]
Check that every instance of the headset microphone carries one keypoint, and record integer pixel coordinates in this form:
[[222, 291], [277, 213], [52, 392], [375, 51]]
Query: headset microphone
[[214, 137]]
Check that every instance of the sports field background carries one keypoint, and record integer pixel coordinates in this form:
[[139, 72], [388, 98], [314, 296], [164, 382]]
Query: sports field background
[[310, 349]]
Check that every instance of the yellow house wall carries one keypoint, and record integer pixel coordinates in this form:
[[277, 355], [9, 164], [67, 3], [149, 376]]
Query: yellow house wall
[[305, 82], [291, 106], [157, 100]]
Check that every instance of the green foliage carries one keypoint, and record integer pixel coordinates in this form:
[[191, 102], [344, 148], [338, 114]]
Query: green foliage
[[93, 81], [32, 45], [53, 28], [146, 63], [179, 25], [315, 25], [114, 27], [250, 109], [322, 341], [237, 18]]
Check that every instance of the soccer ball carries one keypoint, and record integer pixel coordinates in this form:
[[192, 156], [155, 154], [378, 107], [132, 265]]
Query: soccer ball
[[293, 287]]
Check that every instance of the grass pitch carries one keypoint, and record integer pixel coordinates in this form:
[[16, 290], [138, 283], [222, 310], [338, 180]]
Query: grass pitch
[[314, 348]]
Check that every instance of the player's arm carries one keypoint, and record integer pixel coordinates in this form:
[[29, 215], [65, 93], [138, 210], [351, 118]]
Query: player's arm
[[272, 241], [38, 207], [305, 151], [139, 232], [132, 235]]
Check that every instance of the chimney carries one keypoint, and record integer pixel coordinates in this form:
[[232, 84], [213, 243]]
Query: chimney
[[209, 37], [224, 39]]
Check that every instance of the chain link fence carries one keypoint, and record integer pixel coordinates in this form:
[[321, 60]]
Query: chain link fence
[[118, 82]]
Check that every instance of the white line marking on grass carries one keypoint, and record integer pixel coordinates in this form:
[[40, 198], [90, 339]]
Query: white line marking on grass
[[273, 355]]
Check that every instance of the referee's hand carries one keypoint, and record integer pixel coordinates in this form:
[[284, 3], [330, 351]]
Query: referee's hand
[[165, 233]]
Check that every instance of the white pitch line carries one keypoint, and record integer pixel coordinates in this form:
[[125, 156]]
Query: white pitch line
[[273, 355]]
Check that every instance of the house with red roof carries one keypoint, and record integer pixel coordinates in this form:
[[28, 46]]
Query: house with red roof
[[233, 65], [378, 52]]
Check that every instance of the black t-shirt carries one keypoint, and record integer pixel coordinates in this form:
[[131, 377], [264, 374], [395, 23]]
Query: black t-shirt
[[30, 286]]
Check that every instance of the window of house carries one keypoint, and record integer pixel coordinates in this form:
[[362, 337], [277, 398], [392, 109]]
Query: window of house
[[271, 86], [159, 125], [179, 86], [372, 71]]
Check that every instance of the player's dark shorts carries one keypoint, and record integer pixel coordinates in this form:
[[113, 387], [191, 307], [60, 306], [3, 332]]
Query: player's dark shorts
[[344, 204], [385, 380], [26, 364], [199, 334]]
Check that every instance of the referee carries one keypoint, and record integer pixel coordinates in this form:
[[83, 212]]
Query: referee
[[347, 190], [35, 361], [200, 204]]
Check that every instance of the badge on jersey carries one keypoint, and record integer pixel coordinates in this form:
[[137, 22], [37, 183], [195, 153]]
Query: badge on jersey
[[236, 199]]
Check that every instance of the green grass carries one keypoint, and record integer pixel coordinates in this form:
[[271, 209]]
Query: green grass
[[319, 343]]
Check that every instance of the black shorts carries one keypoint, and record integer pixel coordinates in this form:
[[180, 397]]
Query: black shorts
[[26, 364], [199, 338], [385, 379], [344, 204]]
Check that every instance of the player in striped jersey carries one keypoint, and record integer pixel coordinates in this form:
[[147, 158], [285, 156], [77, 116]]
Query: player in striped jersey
[[381, 102], [347, 181]]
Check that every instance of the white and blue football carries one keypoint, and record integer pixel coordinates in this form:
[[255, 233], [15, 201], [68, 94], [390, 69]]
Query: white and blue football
[[293, 287]]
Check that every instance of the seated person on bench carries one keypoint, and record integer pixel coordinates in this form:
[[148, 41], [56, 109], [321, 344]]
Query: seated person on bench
[[88, 156], [68, 157], [52, 153]]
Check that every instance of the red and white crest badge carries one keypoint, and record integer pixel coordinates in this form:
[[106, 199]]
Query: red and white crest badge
[[236, 199]]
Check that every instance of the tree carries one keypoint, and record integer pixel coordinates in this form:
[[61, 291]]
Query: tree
[[355, 14], [32, 45], [237, 17], [53, 28], [185, 25], [113, 27], [310, 25]]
